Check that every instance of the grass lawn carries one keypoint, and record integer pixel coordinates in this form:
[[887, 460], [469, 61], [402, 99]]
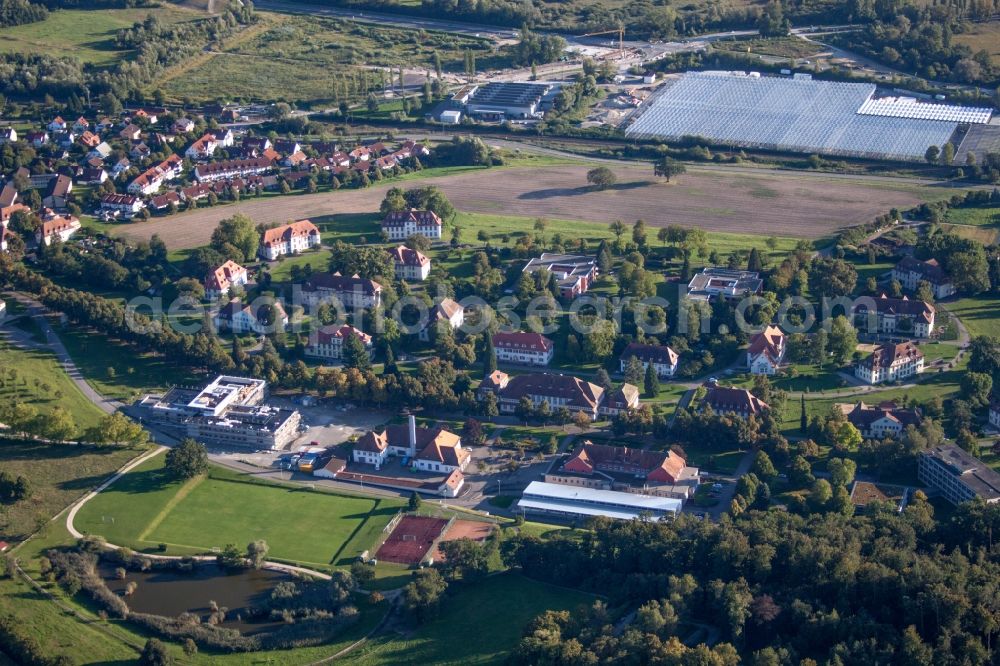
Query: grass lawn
[[115, 370], [307, 58], [978, 216], [88, 35], [980, 314], [780, 47], [108, 642], [57, 474], [491, 614], [315, 528], [42, 383]]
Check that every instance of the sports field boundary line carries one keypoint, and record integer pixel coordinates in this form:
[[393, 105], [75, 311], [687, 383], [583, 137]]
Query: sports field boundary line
[[336, 555], [171, 504]]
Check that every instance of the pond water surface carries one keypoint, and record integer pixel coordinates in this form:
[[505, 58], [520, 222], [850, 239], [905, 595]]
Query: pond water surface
[[171, 593]]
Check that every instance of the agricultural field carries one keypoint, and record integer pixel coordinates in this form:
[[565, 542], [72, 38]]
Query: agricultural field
[[147, 508], [302, 59], [738, 203], [494, 610], [88, 35]]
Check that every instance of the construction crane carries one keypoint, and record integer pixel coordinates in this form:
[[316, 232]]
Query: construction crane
[[620, 30]]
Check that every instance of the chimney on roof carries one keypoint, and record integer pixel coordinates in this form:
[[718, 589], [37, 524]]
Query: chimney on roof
[[413, 434]]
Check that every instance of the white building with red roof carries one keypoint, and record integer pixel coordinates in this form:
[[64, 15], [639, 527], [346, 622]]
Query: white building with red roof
[[523, 348], [400, 225], [889, 363], [219, 282], [289, 239], [410, 264], [766, 351], [626, 469], [203, 148], [56, 226], [741, 402], [428, 449], [573, 393], [445, 310], [662, 358], [328, 342], [240, 317], [896, 316]]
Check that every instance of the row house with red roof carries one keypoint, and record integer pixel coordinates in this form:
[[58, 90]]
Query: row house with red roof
[[328, 342], [523, 348]]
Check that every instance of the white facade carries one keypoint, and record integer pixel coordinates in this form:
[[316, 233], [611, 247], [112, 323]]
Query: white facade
[[898, 370]]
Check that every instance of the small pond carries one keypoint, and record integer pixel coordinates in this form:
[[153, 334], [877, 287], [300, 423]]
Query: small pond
[[171, 593]]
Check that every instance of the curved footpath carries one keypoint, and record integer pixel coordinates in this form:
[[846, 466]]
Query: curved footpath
[[135, 462]]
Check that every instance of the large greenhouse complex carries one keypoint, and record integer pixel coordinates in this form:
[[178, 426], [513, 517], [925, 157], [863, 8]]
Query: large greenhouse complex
[[798, 114]]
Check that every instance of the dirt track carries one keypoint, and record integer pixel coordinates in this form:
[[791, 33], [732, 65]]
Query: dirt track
[[799, 205]]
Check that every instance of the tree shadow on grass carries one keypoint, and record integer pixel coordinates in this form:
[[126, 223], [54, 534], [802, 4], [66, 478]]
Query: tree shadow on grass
[[554, 192]]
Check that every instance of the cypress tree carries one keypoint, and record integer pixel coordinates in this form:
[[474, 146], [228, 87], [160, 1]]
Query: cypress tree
[[803, 421], [489, 355], [652, 382]]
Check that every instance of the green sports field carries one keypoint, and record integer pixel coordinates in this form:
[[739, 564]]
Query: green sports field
[[317, 529]]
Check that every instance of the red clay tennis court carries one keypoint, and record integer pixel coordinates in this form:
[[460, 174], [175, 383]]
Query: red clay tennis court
[[464, 529], [411, 539]]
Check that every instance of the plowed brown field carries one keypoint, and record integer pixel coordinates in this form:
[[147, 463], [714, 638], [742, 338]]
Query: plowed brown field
[[796, 205]]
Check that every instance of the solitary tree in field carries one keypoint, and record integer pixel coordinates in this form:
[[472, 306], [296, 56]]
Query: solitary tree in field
[[187, 459], [668, 167], [257, 553], [601, 178]]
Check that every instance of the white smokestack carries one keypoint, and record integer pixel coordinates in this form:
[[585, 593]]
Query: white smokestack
[[413, 434]]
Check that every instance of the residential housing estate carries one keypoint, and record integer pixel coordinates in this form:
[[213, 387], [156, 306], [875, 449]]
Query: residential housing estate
[[958, 475], [889, 363]]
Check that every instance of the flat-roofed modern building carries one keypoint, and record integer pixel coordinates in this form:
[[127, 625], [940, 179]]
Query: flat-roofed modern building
[[569, 502], [507, 100], [229, 411], [959, 476], [725, 282]]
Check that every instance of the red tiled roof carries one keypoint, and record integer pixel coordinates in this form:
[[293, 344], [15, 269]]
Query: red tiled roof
[[286, 232], [520, 341], [408, 257]]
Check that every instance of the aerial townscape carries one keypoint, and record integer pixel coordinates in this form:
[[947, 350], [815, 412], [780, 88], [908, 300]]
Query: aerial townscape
[[576, 333]]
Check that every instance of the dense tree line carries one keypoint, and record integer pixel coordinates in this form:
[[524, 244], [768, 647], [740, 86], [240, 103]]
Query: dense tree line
[[156, 46], [19, 12], [920, 40], [781, 588]]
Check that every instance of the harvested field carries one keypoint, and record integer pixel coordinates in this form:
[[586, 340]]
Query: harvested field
[[411, 539], [794, 205], [476, 530]]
